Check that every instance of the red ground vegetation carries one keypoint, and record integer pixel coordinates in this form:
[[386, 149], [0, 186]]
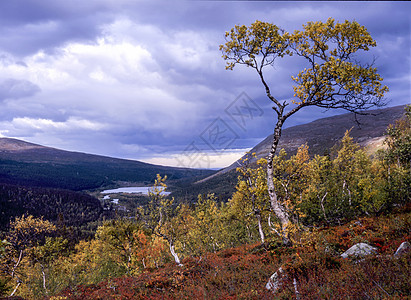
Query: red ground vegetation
[[242, 272]]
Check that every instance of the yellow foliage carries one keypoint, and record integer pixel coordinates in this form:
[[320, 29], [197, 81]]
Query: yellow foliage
[[328, 48]]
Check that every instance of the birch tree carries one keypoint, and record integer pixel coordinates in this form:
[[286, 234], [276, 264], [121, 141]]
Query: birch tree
[[159, 216], [25, 237], [331, 77], [252, 191]]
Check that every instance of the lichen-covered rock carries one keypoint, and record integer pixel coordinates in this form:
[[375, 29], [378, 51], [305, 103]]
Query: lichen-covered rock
[[359, 250], [404, 248], [274, 283]]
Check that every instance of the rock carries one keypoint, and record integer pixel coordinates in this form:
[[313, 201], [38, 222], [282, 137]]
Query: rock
[[404, 248], [275, 281], [359, 250]]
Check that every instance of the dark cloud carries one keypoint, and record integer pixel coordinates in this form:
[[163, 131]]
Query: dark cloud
[[21, 12], [15, 89], [28, 26]]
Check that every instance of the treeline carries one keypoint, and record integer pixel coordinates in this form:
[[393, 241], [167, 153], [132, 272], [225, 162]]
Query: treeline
[[223, 186], [318, 192], [53, 175], [71, 208]]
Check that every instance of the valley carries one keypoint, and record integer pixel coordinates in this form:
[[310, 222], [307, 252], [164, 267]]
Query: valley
[[217, 226], [30, 165]]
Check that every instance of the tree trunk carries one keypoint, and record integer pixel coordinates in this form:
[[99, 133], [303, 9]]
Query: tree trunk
[[257, 212], [44, 279], [129, 252], [15, 289], [297, 293], [13, 273], [173, 253], [260, 228], [277, 207]]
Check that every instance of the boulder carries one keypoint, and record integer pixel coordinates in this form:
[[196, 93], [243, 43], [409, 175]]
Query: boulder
[[359, 250], [275, 281], [404, 248]]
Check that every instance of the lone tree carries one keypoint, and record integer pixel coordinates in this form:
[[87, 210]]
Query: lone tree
[[332, 78]]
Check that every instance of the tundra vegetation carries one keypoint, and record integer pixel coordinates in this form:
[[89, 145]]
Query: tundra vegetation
[[171, 249]]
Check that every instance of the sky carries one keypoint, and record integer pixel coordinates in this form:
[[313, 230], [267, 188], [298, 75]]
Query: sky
[[145, 80]]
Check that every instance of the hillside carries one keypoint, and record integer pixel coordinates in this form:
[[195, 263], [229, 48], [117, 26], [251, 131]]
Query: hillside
[[320, 135], [243, 272], [34, 165]]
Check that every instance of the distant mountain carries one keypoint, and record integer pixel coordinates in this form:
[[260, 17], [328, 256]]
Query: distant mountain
[[320, 136], [7, 144], [29, 164]]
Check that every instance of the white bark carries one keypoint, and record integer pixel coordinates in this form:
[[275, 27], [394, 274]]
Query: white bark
[[13, 273], [129, 257], [271, 225], [174, 254], [15, 289], [260, 229], [44, 279], [276, 206], [297, 293], [17, 263], [322, 205]]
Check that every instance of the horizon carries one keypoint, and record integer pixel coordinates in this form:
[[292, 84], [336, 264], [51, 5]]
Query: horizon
[[145, 81], [172, 159]]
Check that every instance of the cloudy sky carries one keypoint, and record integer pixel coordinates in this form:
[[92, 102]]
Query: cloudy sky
[[145, 79]]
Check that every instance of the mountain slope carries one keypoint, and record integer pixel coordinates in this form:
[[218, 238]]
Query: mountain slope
[[34, 165], [322, 134]]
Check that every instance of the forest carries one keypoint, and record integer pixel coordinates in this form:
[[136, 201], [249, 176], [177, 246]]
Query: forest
[[73, 208], [176, 249]]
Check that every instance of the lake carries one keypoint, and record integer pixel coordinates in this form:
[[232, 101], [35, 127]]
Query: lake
[[132, 190]]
